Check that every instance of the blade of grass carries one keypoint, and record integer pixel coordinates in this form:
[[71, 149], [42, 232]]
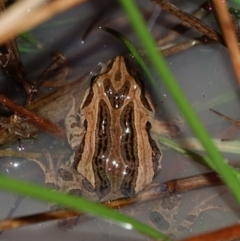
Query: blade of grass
[[228, 146], [167, 77], [27, 50], [133, 50], [188, 151], [31, 40], [73, 202]]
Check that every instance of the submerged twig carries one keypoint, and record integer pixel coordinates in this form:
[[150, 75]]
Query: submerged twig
[[32, 117], [235, 122], [223, 234], [179, 47], [22, 154], [183, 27], [53, 107], [154, 191], [60, 68], [16, 204]]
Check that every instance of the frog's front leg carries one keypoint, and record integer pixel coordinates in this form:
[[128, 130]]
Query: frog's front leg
[[166, 128], [164, 215], [72, 182], [74, 132], [61, 177]]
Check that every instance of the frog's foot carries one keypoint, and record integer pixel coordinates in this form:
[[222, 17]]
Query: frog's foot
[[67, 223], [72, 182], [59, 176], [193, 215], [163, 215]]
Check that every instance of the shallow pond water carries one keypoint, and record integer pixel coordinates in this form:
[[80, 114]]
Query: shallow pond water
[[203, 72]]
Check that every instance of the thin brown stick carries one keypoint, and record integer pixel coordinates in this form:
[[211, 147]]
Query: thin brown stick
[[32, 117], [53, 107], [17, 11], [28, 155], [181, 28], [235, 122], [179, 47], [154, 191], [229, 233], [191, 20], [229, 34], [23, 22]]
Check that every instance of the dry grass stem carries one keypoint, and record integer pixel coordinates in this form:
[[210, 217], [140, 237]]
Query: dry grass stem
[[18, 11], [32, 117], [153, 192], [15, 20], [229, 34], [181, 28], [28, 155], [190, 20]]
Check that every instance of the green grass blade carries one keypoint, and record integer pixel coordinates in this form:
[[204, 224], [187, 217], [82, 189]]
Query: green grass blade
[[134, 52], [165, 74], [188, 152], [31, 40], [76, 203]]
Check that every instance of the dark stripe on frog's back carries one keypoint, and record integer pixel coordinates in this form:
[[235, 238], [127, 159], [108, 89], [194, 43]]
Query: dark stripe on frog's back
[[94, 79], [103, 145], [129, 150], [80, 149], [136, 72], [116, 97], [89, 97], [156, 153]]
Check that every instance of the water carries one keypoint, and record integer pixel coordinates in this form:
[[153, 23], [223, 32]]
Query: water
[[203, 72]]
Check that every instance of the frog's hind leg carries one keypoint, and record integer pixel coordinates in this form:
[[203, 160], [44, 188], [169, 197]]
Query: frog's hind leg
[[72, 182], [194, 214], [51, 171], [163, 215]]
